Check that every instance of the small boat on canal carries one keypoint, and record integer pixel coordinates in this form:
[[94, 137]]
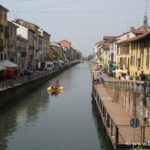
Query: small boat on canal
[[55, 88]]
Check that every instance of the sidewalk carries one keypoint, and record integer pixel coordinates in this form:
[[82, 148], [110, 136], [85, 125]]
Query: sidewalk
[[114, 115], [105, 76], [120, 117]]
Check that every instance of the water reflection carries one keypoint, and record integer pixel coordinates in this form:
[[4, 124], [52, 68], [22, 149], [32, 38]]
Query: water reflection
[[103, 138], [21, 112], [40, 121]]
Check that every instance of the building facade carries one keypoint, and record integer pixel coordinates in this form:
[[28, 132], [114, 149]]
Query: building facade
[[139, 54], [38, 42], [22, 48], [3, 32], [46, 44], [11, 42]]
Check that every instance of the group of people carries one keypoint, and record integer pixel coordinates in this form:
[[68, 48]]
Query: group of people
[[141, 77]]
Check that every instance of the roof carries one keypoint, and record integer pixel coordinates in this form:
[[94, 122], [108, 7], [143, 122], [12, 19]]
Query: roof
[[12, 24], [64, 41], [144, 35], [2, 7], [99, 43], [47, 33], [105, 46], [108, 37], [124, 34]]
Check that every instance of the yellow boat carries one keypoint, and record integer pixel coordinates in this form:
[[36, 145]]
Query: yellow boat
[[52, 90]]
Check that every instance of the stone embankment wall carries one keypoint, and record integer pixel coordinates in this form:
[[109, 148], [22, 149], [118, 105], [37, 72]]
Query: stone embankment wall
[[15, 93]]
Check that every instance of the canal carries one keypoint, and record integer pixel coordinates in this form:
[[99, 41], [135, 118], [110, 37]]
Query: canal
[[68, 121]]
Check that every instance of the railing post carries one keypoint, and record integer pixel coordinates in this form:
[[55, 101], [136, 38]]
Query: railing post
[[111, 127], [108, 120], [143, 134], [117, 135]]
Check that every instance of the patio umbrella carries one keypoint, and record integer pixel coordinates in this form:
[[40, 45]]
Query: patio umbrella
[[2, 68], [119, 71]]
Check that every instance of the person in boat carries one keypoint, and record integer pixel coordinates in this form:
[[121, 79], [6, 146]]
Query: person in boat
[[56, 85]]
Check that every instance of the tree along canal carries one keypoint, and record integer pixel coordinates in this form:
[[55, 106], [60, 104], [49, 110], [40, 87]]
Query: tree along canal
[[67, 121]]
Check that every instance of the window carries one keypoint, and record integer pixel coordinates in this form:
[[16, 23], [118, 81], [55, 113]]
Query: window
[[5, 57], [1, 41], [5, 17], [147, 59], [1, 17], [1, 28], [138, 63], [1, 57]]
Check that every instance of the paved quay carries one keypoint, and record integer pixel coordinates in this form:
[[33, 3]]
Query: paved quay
[[116, 112], [120, 118], [117, 120]]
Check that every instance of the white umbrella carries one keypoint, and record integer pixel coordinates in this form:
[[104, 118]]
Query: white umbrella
[[119, 71], [8, 64], [2, 68]]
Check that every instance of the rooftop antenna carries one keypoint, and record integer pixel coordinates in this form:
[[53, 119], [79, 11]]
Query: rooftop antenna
[[146, 6], [127, 25], [35, 21], [145, 17], [14, 15]]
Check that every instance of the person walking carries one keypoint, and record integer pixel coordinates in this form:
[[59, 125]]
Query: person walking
[[142, 76]]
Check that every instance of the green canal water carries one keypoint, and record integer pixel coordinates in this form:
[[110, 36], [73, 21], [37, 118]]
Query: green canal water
[[68, 121]]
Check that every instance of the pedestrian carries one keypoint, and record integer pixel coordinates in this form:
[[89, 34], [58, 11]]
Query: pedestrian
[[57, 84], [131, 77], [142, 76], [122, 77], [135, 76], [127, 77]]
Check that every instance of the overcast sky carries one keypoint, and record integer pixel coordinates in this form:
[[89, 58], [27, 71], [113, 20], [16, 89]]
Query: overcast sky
[[82, 22]]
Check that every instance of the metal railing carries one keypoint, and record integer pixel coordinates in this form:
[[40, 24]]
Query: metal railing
[[137, 86], [27, 78], [129, 136], [122, 134], [23, 79]]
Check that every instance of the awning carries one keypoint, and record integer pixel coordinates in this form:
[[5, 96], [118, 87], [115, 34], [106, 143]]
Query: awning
[[8, 64], [2, 68]]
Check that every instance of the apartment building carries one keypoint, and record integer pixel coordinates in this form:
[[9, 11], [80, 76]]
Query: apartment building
[[67, 49], [22, 48], [46, 44], [139, 52], [11, 42], [3, 32], [38, 42], [123, 50]]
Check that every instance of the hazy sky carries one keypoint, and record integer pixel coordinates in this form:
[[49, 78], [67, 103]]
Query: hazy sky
[[82, 22]]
